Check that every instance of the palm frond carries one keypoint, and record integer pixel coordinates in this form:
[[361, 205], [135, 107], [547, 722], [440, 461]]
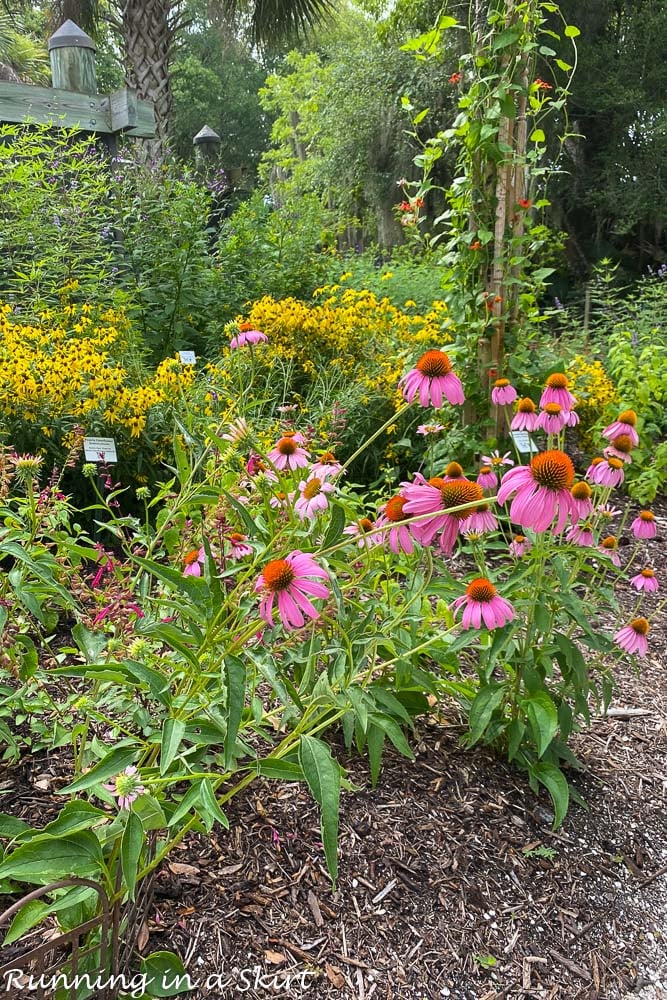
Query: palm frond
[[276, 20]]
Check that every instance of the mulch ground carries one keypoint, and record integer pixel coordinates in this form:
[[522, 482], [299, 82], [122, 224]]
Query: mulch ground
[[452, 883]]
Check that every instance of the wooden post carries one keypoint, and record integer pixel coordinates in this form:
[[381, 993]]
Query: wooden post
[[72, 58], [207, 146]]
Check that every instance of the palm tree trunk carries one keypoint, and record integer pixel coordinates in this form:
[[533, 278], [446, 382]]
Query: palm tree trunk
[[148, 28]]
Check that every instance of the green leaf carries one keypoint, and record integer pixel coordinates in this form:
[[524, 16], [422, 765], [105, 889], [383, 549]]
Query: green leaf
[[12, 827], [165, 975], [394, 732], [571, 31], [90, 643], [543, 717], [486, 702], [566, 67], [172, 734], [35, 911], [375, 741], [74, 817], [282, 770], [555, 783], [111, 764], [150, 812], [235, 678], [130, 851], [515, 732], [210, 806], [46, 859], [322, 775], [336, 525], [420, 117], [537, 135]]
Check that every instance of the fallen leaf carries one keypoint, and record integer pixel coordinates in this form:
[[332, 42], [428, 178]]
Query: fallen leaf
[[335, 976], [142, 936], [231, 869], [274, 957], [180, 868]]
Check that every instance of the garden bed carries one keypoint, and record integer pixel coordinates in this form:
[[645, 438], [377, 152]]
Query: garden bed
[[452, 882]]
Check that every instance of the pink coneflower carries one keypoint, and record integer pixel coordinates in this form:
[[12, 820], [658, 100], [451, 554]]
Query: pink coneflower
[[237, 431], [626, 424], [238, 546], [433, 380], [519, 546], [288, 455], [552, 419], [607, 512], [312, 497], [326, 466], [400, 539], [572, 418], [484, 607], [296, 436], [632, 637], [453, 472], [195, 560], [255, 466], [126, 786], [282, 501], [436, 497], [620, 447], [608, 472], [286, 582], [496, 460], [609, 545], [580, 534], [487, 478], [646, 580], [582, 505], [503, 394], [644, 525], [556, 391], [430, 429], [363, 529], [542, 491], [481, 521], [247, 337], [525, 418], [590, 471]]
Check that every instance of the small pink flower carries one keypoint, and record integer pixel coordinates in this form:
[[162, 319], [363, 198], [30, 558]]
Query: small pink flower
[[363, 529], [632, 637], [519, 546], [484, 608], [625, 425], [287, 454], [282, 501], [487, 478], [312, 497], [552, 419], [400, 537], [433, 380], [572, 418], [238, 546], [255, 466], [609, 546], [644, 525], [126, 786], [287, 582], [582, 504], [580, 534], [326, 467], [556, 391], [480, 522], [608, 472], [195, 560], [430, 428], [503, 394], [646, 580], [246, 337], [525, 418], [496, 460], [620, 447]]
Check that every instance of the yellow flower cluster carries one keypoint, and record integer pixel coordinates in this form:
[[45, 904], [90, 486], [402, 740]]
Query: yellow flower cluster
[[594, 390], [65, 368], [349, 332]]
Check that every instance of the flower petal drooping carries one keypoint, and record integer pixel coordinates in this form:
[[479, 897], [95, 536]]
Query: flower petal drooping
[[483, 606], [287, 582], [433, 380]]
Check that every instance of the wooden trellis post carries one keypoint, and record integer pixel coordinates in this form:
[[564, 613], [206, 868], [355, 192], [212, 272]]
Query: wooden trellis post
[[73, 102]]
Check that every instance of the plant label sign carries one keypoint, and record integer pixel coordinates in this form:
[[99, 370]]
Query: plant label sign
[[524, 443], [187, 357], [99, 449]]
